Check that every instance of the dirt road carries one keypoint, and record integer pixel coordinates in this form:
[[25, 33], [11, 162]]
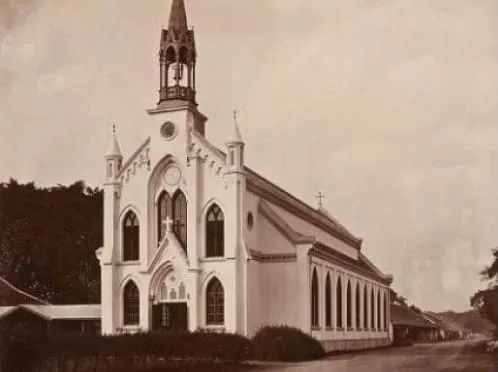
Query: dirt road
[[443, 357]]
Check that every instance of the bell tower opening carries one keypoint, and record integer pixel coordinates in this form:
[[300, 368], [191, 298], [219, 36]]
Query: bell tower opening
[[177, 58]]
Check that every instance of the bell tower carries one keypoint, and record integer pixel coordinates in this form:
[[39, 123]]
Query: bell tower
[[177, 57], [177, 61]]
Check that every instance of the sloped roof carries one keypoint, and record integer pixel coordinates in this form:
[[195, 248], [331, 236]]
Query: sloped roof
[[177, 16], [361, 265], [278, 222], [266, 189], [445, 323], [56, 312], [12, 296], [261, 186], [404, 316]]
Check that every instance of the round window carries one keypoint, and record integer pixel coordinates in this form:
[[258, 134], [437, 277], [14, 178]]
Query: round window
[[250, 220], [168, 130]]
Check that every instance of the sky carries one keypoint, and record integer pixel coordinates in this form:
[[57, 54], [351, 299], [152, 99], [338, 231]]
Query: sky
[[388, 107]]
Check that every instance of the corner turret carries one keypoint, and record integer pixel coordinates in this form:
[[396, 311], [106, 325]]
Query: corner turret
[[235, 148]]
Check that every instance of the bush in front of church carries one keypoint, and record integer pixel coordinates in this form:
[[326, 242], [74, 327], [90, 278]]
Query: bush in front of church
[[49, 350], [283, 343]]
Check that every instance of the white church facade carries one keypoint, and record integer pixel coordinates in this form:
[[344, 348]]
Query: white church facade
[[194, 239]]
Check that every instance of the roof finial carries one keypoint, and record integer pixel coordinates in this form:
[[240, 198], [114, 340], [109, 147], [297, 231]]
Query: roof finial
[[113, 149], [320, 197], [236, 136]]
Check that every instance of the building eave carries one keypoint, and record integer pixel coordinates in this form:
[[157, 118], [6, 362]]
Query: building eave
[[329, 254], [276, 221], [273, 257]]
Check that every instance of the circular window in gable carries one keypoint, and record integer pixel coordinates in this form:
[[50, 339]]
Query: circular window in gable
[[250, 220], [169, 130]]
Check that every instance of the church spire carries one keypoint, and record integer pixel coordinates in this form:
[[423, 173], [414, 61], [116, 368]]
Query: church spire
[[235, 148], [113, 150], [177, 58], [113, 157], [178, 16]]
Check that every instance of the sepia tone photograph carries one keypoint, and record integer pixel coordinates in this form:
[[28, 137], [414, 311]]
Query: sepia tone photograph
[[248, 185]]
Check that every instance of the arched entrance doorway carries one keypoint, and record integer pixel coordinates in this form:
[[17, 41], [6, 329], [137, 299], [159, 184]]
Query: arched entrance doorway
[[170, 310]]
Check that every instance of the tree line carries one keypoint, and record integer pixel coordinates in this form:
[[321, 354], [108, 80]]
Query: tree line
[[486, 300], [48, 238]]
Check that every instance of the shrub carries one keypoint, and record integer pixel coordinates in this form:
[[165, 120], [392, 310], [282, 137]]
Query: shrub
[[282, 343], [131, 351]]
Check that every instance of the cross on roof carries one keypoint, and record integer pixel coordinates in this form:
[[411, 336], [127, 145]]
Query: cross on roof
[[320, 197], [114, 128], [234, 115]]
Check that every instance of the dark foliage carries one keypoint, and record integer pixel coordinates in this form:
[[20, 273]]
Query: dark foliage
[[282, 343], [396, 298], [117, 352], [486, 301], [470, 320], [48, 241]]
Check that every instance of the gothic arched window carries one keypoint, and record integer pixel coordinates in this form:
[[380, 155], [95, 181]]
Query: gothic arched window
[[328, 302], [215, 303], [215, 232], [339, 303], [131, 235], [163, 210], [180, 218], [131, 304], [386, 311], [357, 307], [314, 299], [365, 307], [372, 309], [349, 307]]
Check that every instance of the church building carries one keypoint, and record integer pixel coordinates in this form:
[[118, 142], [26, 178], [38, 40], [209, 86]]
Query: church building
[[194, 239]]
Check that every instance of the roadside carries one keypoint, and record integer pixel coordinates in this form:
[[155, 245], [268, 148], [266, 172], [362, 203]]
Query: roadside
[[444, 357]]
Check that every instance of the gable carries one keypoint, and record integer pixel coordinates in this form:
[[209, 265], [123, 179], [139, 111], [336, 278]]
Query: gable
[[271, 238], [270, 192]]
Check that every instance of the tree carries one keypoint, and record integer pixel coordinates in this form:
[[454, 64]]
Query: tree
[[49, 240], [396, 298], [486, 300]]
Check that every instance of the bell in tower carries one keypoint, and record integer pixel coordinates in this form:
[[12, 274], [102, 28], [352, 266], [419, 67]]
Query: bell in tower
[[177, 58]]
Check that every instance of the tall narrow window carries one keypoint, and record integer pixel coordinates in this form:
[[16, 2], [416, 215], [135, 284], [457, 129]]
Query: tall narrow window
[[131, 304], [339, 303], [163, 211], [328, 302], [372, 309], [180, 218], [349, 307], [386, 311], [365, 307], [215, 303], [314, 300], [131, 234], [358, 307], [215, 232], [379, 318]]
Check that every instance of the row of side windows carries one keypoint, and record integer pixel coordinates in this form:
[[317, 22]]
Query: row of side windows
[[215, 303], [176, 209], [369, 322]]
